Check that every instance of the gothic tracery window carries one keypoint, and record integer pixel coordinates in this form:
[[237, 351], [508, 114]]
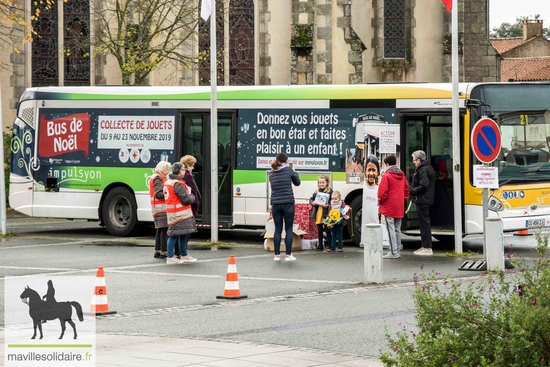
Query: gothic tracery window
[[45, 69], [241, 44], [394, 29], [76, 19], [204, 47], [46, 51]]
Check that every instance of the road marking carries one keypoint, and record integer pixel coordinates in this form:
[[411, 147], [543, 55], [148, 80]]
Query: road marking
[[41, 245], [34, 268], [250, 301], [118, 270]]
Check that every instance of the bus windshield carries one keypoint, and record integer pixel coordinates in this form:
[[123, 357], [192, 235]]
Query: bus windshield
[[522, 113], [525, 145]]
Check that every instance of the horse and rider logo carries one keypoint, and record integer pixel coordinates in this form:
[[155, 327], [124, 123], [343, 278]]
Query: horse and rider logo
[[42, 309]]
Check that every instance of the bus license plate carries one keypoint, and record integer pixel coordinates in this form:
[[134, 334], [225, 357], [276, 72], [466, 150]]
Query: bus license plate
[[535, 223]]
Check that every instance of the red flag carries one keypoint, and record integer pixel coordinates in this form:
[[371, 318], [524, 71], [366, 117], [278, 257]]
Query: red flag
[[448, 5]]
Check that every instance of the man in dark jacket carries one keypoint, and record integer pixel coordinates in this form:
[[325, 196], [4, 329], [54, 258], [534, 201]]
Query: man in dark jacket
[[392, 193], [422, 193]]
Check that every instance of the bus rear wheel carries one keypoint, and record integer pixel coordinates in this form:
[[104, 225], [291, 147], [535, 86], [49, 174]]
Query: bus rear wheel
[[354, 225], [119, 212]]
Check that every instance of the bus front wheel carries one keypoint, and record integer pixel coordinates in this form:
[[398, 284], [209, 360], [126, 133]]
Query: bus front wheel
[[119, 212], [354, 225]]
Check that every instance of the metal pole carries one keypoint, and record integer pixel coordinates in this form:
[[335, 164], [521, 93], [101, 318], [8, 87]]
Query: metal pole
[[457, 190], [213, 128], [2, 178], [485, 211]]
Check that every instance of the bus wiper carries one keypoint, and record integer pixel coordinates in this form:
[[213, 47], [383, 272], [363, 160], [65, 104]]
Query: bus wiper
[[535, 170], [512, 180]]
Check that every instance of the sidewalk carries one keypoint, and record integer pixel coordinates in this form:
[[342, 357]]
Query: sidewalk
[[140, 350], [118, 350]]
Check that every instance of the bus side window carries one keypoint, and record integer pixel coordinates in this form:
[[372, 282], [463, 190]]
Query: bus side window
[[441, 165], [51, 184], [227, 155]]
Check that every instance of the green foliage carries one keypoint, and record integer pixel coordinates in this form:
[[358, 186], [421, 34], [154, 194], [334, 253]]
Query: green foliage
[[302, 36], [507, 30], [463, 254], [9, 234], [216, 244], [448, 43], [499, 320]]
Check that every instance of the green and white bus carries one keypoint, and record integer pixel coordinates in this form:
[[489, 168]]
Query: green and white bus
[[88, 152]]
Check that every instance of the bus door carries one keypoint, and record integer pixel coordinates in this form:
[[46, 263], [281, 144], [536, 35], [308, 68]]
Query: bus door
[[195, 141], [431, 133]]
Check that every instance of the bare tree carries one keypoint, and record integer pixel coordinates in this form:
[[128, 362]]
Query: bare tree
[[142, 34], [13, 16]]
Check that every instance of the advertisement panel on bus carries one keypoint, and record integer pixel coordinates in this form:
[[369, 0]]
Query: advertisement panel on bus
[[84, 150]]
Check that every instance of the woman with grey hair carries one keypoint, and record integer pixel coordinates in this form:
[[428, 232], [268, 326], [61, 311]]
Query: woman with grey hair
[[419, 154], [422, 193], [158, 207]]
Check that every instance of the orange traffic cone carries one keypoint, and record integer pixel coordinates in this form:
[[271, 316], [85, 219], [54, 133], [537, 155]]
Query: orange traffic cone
[[523, 232], [231, 290], [99, 304]]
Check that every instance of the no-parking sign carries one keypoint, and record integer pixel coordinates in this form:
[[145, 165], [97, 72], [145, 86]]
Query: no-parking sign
[[486, 140]]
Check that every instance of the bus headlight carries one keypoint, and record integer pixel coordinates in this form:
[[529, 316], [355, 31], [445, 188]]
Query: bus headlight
[[495, 205]]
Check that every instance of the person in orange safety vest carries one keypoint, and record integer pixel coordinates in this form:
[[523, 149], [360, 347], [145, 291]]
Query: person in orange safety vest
[[181, 222]]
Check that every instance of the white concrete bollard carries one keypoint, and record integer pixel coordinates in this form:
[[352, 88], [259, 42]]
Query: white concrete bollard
[[372, 238], [494, 240]]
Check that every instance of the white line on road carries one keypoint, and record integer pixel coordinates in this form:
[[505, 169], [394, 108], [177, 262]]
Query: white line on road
[[35, 268], [117, 270], [42, 245]]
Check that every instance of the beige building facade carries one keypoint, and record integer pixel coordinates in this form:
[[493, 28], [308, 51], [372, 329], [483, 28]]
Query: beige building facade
[[294, 42]]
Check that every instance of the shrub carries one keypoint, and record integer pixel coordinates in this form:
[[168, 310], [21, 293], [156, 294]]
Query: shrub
[[501, 319]]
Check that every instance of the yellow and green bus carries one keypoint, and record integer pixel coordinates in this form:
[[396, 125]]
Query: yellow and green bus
[[88, 152]]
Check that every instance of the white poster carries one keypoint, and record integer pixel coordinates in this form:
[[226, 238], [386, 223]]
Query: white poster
[[136, 132], [382, 139], [486, 177]]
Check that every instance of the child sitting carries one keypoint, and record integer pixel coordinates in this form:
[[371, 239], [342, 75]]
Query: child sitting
[[338, 215], [320, 200]]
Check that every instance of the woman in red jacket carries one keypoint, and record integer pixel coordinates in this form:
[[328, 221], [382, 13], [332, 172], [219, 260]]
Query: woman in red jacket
[[393, 190]]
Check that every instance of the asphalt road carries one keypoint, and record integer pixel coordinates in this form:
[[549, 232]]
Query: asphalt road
[[319, 301]]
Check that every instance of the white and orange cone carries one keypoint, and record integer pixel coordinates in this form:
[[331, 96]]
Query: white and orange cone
[[99, 304], [522, 232], [232, 290]]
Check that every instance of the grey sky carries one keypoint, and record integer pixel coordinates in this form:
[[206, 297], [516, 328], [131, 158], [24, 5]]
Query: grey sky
[[501, 11]]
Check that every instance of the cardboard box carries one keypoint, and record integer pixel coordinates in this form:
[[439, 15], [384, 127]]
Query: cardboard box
[[296, 240]]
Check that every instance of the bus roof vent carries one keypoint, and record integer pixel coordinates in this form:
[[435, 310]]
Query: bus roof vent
[[27, 115]]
